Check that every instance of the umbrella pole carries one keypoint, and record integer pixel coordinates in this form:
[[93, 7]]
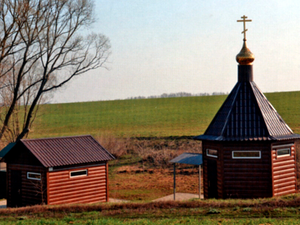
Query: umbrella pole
[[174, 188], [200, 181]]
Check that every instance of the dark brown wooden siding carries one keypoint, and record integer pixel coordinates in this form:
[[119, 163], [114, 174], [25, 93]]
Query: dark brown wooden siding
[[2, 184], [247, 178], [205, 184], [82, 189], [284, 171], [239, 178], [31, 190], [206, 160]]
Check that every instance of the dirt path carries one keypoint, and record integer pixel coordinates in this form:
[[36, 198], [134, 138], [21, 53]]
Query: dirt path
[[114, 200], [178, 197]]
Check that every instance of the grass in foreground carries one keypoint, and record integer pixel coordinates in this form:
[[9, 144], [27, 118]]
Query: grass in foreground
[[284, 210], [192, 221]]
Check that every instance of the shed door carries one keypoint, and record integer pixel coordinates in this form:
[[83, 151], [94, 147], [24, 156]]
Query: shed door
[[16, 188], [212, 179]]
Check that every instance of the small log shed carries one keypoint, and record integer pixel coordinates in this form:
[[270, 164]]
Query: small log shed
[[3, 170], [57, 171]]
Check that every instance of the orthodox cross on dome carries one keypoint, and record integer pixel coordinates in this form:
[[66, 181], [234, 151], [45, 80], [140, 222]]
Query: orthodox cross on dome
[[244, 23], [245, 57]]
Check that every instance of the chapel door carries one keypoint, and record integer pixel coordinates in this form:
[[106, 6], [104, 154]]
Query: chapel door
[[16, 188], [212, 178]]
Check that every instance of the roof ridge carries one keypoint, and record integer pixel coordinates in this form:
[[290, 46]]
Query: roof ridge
[[64, 151], [230, 111], [98, 143], [272, 109], [252, 85], [230, 97], [49, 138]]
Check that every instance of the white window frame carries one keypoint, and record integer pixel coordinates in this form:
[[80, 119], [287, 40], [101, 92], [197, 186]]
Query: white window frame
[[280, 149], [244, 157], [282, 146], [81, 175], [214, 156], [33, 178]]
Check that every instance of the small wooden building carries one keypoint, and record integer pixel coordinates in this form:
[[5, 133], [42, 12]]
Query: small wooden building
[[248, 149], [3, 171], [57, 171]]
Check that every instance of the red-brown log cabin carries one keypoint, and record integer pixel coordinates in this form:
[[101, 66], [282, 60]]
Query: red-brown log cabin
[[57, 171], [248, 149]]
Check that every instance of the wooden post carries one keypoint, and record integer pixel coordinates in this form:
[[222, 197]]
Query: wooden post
[[174, 188], [200, 181]]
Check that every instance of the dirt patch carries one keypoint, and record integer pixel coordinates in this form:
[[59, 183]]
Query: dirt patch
[[129, 184], [114, 200], [142, 170], [179, 197]]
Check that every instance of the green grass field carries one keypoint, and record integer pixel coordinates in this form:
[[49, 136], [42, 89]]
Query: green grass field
[[187, 116]]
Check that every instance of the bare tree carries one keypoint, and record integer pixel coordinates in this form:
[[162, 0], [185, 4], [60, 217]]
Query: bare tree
[[42, 49]]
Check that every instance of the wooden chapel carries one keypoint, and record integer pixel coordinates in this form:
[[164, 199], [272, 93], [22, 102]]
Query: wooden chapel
[[248, 149]]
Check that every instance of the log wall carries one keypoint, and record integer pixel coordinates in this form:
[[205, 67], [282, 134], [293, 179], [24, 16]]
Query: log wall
[[284, 170], [247, 178], [2, 184], [30, 190], [239, 178], [206, 160], [82, 189]]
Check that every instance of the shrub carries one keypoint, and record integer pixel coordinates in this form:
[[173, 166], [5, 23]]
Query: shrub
[[213, 211]]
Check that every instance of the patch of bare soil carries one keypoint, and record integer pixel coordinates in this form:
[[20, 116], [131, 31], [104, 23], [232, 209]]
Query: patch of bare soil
[[134, 183]]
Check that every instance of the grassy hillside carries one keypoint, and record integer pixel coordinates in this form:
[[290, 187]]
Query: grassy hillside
[[287, 105], [187, 116]]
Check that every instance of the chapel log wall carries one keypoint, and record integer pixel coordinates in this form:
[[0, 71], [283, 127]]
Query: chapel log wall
[[247, 178], [239, 178], [284, 172], [219, 164]]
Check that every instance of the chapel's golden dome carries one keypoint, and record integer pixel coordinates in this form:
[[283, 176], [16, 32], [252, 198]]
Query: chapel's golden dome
[[245, 57]]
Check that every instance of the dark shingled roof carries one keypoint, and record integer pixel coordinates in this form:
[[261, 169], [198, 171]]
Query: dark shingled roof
[[64, 151], [247, 115]]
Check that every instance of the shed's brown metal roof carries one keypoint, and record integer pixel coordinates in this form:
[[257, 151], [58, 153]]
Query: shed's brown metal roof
[[63, 151], [247, 115]]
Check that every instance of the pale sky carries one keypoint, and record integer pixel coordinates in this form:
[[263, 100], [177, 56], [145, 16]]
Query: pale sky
[[169, 46]]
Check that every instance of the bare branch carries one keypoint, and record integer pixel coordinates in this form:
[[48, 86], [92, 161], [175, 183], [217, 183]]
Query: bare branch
[[56, 52]]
